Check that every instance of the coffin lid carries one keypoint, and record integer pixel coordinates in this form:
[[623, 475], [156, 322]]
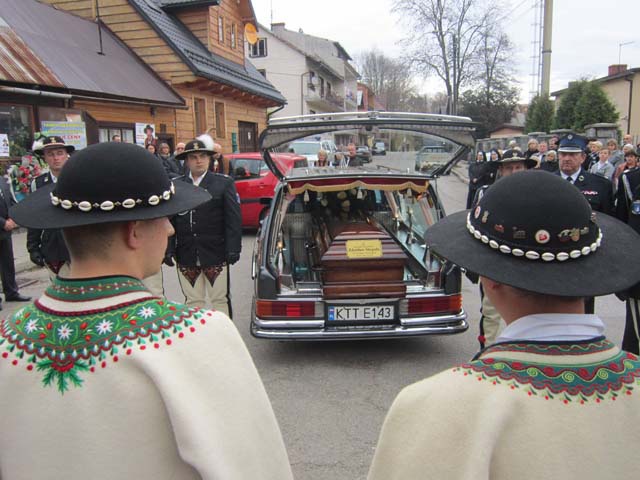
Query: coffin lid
[[458, 130]]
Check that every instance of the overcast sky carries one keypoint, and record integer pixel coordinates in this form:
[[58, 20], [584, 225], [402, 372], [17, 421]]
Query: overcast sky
[[586, 33]]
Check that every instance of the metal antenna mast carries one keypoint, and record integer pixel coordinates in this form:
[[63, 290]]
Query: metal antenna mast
[[536, 44]]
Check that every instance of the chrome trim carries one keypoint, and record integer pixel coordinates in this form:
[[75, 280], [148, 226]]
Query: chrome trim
[[418, 321], [270, 324], [447, 325]]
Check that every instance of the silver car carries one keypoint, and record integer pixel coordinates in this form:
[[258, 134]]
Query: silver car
[[341, 254]]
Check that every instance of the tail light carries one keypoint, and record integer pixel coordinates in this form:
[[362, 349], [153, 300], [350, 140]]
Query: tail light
[[431, 305], [284, 309]]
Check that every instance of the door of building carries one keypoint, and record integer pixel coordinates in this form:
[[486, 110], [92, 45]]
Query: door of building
[[248, 133]]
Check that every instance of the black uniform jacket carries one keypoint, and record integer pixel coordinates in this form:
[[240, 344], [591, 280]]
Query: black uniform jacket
[[628, 192], [49, 243], [207, 234], [6, 201], [597, 190], [481, 173]]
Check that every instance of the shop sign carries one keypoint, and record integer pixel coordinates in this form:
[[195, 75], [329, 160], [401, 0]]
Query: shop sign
[[73, 133]]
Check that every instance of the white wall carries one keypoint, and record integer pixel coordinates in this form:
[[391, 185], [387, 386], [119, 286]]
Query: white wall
[[284, 67]]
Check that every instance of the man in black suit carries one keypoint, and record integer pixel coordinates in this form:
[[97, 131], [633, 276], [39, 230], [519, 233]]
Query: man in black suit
[[596, 189], [7, 266], [47, 247], [207, 239]]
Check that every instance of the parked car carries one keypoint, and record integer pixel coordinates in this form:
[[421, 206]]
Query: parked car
[[310, 149], [341, 253], [379, 148], [255, 183], [431, 157], [364, 153]]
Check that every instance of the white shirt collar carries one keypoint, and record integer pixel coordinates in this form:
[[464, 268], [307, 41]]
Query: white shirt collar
[[574, 176], [553, 327], [53, 177], [196, 181]]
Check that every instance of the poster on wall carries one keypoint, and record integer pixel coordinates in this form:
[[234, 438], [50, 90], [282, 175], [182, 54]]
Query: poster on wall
[[145, 134], [73, 133], [4, 145]]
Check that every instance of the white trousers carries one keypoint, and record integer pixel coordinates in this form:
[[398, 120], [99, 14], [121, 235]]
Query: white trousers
[[154, 283], [196, 295]]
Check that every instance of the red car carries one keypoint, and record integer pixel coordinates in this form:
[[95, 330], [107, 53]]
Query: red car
[[255, 182]]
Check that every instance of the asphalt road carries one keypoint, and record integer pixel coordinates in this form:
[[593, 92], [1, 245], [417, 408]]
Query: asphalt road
[[331, 398]]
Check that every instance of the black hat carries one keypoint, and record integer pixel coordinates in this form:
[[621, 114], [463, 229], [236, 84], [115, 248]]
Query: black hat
[[515, 155], [192, 147], [572, 143], [534, 231], [54, 142], [148, 127], [107, 182]]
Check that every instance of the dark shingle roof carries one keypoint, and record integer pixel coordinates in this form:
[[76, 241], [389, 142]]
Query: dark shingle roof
[[176, 4], [201, 61]]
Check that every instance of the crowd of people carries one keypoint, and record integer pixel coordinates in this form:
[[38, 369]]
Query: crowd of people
[[102, 377], [605, 176]]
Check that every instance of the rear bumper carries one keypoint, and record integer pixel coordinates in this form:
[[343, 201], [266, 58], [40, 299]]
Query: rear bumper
[[319, 330]]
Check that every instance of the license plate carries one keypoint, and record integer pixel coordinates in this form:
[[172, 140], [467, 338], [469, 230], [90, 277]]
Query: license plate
[[354, 313]]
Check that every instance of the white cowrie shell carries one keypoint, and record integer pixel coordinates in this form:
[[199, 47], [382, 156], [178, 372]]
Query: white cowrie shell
[[484, 239], [493, 244], [129, 203], [517, 252], [575, 254], [154, 200], [166, 195], [562, 256], [531, 255], [84, 206], [66, 204], [505, 249], [55, 200], [107, 206], [586, 250], [548, 257], [477, 234]]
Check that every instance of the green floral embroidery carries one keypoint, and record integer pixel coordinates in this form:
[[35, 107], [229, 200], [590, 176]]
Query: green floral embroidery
[[64, 347], [574, 383]]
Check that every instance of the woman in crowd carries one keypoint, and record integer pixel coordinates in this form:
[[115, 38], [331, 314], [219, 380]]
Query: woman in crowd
[[481, 173], [322, 158]]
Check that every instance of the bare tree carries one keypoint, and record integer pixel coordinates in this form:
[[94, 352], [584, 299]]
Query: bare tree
[[445, 38], [388, 78]]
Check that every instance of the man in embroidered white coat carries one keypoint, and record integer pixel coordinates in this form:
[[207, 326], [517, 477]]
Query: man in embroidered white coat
[[99, 378], [552, 398]]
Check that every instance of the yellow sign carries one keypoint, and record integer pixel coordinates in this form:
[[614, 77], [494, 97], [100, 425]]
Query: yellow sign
[[364, 248], [250, 33]]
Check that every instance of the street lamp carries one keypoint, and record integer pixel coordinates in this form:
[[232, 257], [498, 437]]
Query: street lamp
[[620, 45]]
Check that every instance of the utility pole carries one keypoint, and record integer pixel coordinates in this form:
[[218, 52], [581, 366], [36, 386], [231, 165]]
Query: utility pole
[[454, 103], [546, 48]]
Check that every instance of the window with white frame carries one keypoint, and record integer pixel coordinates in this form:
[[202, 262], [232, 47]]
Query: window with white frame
[[259, 49]]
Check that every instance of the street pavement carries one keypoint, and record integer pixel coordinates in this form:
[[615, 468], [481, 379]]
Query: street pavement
[[331, 398]]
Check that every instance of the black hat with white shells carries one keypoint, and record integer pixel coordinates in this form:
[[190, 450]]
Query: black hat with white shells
[[536, 232], [107, 182]]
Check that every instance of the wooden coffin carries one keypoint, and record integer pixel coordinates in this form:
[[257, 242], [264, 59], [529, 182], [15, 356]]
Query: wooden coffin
[[362, 261]]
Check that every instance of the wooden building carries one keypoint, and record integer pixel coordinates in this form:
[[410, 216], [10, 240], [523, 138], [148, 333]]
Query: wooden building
[[191, 75]]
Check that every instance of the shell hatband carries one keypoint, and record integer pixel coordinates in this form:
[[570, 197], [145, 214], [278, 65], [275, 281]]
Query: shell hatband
[[533, 254], [108, 205]]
